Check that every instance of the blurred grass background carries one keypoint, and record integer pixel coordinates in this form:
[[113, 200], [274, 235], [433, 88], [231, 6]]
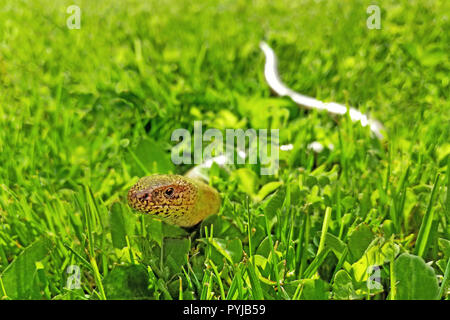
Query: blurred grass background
[[73, 103]]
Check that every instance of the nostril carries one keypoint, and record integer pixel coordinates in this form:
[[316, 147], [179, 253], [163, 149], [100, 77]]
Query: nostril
[[144, 196]]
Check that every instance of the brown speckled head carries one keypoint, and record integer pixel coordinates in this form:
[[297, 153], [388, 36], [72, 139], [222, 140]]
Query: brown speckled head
[[176, 199], [166, 196]]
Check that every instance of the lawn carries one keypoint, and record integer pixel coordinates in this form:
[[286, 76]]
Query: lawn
[[85, 112]]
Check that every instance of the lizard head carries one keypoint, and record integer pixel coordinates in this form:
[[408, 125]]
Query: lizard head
[[166, 196]]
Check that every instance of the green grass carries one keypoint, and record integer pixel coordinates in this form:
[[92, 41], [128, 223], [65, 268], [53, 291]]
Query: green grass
[[84, 113]]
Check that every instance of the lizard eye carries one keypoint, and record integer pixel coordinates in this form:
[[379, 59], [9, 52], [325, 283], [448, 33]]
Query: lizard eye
[[168, 192]]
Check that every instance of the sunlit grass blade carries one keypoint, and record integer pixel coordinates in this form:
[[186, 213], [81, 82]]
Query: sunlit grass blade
[[427, 221]]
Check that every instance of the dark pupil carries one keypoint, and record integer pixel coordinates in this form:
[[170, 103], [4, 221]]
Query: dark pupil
[[169, 191]]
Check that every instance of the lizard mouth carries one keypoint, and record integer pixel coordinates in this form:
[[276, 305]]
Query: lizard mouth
[[164, 211]]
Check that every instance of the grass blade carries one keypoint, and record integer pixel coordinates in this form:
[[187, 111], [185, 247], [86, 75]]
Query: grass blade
[[427, 221]]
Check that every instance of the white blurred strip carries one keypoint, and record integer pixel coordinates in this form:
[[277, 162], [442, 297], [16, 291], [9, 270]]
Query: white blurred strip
[[279, 88]]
